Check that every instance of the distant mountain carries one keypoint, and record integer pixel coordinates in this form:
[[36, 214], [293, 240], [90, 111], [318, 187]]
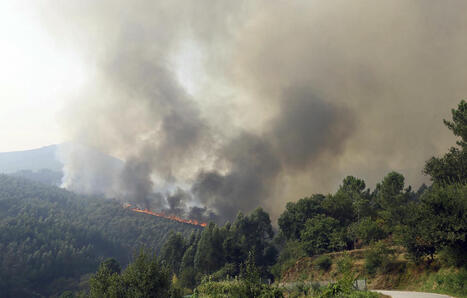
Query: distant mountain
[[33, 160], [45, 164]]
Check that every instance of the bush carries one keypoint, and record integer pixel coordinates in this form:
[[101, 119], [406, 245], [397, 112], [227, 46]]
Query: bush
[[378, 257], [452, 256], [228, 271], [367, 230], [67, 294], [345, 288], [344, 264], [188, 278], [321, 234], [249, 286], [144, 277], [235, 288], [288, 256], [323, 262], [452, 282]]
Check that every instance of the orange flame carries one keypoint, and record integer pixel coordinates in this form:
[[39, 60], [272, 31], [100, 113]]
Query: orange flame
[[171, 217]]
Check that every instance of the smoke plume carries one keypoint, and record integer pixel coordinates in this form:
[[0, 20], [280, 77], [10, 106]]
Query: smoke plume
[[219, 107]]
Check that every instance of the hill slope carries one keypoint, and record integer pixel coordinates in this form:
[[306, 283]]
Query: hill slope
[[50, 237], [34, 160], [395, 272]]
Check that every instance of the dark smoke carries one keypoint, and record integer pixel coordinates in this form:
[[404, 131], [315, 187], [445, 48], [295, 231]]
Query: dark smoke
[[304, 129], [136, 183], [253, 168], [307, 127], [226, 106], [177, 202]]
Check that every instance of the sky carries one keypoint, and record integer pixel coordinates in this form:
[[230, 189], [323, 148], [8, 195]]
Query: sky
[[37, 79], [236, 104]]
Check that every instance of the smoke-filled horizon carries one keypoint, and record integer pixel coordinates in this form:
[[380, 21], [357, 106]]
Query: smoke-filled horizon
[[227, 106]]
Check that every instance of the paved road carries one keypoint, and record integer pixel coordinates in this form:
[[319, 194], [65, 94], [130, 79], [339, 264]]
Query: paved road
[[403, 294]]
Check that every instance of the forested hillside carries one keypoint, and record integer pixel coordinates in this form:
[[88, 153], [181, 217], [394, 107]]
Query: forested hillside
[[44, 176], [50, 237]]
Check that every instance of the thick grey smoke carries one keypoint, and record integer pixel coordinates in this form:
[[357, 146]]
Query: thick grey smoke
[[226, 106], [252, 171], [295, 138], [100, 176]]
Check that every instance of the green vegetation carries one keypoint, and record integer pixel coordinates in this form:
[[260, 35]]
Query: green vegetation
[[220, 252], [52, 239], [236, 288], [452, 167], [379, 257], [144, 277], [248, 285], [323, 262], [44, 176], [344, 288], [449, 281], [429, 224]]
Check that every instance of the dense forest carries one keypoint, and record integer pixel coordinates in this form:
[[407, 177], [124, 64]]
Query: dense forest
[[50, 237]]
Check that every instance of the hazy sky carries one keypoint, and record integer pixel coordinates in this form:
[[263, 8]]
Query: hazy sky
[[37, 77]]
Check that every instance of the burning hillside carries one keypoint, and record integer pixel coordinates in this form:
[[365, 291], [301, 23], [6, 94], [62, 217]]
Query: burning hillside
[[171, 217]]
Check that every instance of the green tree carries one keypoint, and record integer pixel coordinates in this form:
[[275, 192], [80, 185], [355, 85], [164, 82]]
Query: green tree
[[103, 283], [146, 277], [112, 265], [366, 230], [255, 234], [251, 273], [188, 276], [293, 219], [173, 250], [458, 125], [392, 200], [439, 222], [452, 167], [209, 255], [416, 235], [321, 234], [350, 202], [378, 257]]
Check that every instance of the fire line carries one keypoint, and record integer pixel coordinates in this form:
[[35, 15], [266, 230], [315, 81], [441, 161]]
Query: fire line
[[171, 217]]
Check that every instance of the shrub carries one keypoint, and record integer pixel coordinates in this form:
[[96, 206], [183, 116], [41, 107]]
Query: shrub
[[344, 263], [235, 288], [288, 256], [345, 288], [448, 281], [228, 271], [452, 256], [188, 277], [321, 234], [67, 294], [144, 277], [367, 230], [323, 262], [378, 257]]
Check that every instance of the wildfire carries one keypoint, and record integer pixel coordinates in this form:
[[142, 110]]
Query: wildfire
[[171, 217]]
